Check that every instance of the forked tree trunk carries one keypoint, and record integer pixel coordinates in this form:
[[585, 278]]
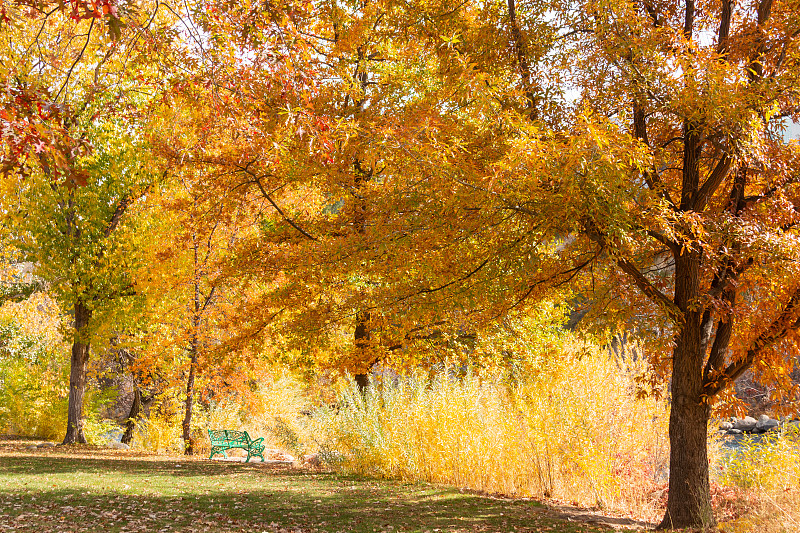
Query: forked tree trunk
[[136, 410], [77, 375]]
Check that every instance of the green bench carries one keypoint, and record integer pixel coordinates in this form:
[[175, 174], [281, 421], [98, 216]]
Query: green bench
[[228, 439]]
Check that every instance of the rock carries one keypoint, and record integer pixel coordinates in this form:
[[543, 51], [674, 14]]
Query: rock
[[277, 455], [312, 459], [747, 423], [112, 435], [725, 426], [119, 446], [31, 447], [735, 431], [766, 423], [46, 445]]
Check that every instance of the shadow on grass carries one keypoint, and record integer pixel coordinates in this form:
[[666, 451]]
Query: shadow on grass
[[60, 493], [59, 464]]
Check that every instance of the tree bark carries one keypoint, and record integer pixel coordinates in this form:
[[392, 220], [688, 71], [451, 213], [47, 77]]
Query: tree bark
[[77, 375], [194, 350], [130, 423], [187, 418], [689, 498]]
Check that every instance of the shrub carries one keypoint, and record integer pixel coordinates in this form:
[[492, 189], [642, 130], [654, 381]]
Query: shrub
[[272, 412], [34, 378], [161, 431], [768, 468]]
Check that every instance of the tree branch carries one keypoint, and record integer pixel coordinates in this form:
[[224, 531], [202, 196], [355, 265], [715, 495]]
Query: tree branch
[[724, 27], [789, 320], [268, 197], [77, 59], [649, 290], [713, 182], [123, 204], [522, 60]]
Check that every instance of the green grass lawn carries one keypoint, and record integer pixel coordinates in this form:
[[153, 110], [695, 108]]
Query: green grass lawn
[[84, 488]]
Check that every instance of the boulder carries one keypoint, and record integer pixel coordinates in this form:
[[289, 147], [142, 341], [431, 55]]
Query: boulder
[[119, 446], [747, 423], [312, 459], [766, 423], [725, 426], [112, 435], [271, 454], [46, 445]]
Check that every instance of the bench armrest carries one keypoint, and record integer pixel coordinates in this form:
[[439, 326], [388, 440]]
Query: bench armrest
[[257, 441]]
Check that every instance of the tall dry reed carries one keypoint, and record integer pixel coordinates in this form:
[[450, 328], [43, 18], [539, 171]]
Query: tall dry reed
[[766, 471], [573, 430]]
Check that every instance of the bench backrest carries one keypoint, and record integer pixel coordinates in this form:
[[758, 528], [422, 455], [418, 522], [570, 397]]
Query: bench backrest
[[228, 436]]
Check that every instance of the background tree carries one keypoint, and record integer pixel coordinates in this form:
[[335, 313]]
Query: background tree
[[310, 140], [79, 239], [188, 301], [72, 110]]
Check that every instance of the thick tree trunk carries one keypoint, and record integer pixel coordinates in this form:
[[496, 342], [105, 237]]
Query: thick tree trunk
[[77, 375], [136, 410], [689, 499]]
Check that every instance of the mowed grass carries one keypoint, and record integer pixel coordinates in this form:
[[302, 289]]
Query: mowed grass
[[85, 488]]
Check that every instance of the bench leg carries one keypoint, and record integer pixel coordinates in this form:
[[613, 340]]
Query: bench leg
[[215, 452]]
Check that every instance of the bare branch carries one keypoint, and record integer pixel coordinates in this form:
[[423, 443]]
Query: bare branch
[[265, 194], [77, 59]]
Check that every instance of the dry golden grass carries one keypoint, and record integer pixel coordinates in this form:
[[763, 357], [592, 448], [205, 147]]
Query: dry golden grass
[[276, 403], [571, 431]]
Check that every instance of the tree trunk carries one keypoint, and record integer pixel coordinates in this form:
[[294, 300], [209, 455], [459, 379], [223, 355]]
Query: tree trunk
[[362, 339], [77, 375], [362, 380], [130, 423], [187, 418], [689, 499], [194, 350]]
